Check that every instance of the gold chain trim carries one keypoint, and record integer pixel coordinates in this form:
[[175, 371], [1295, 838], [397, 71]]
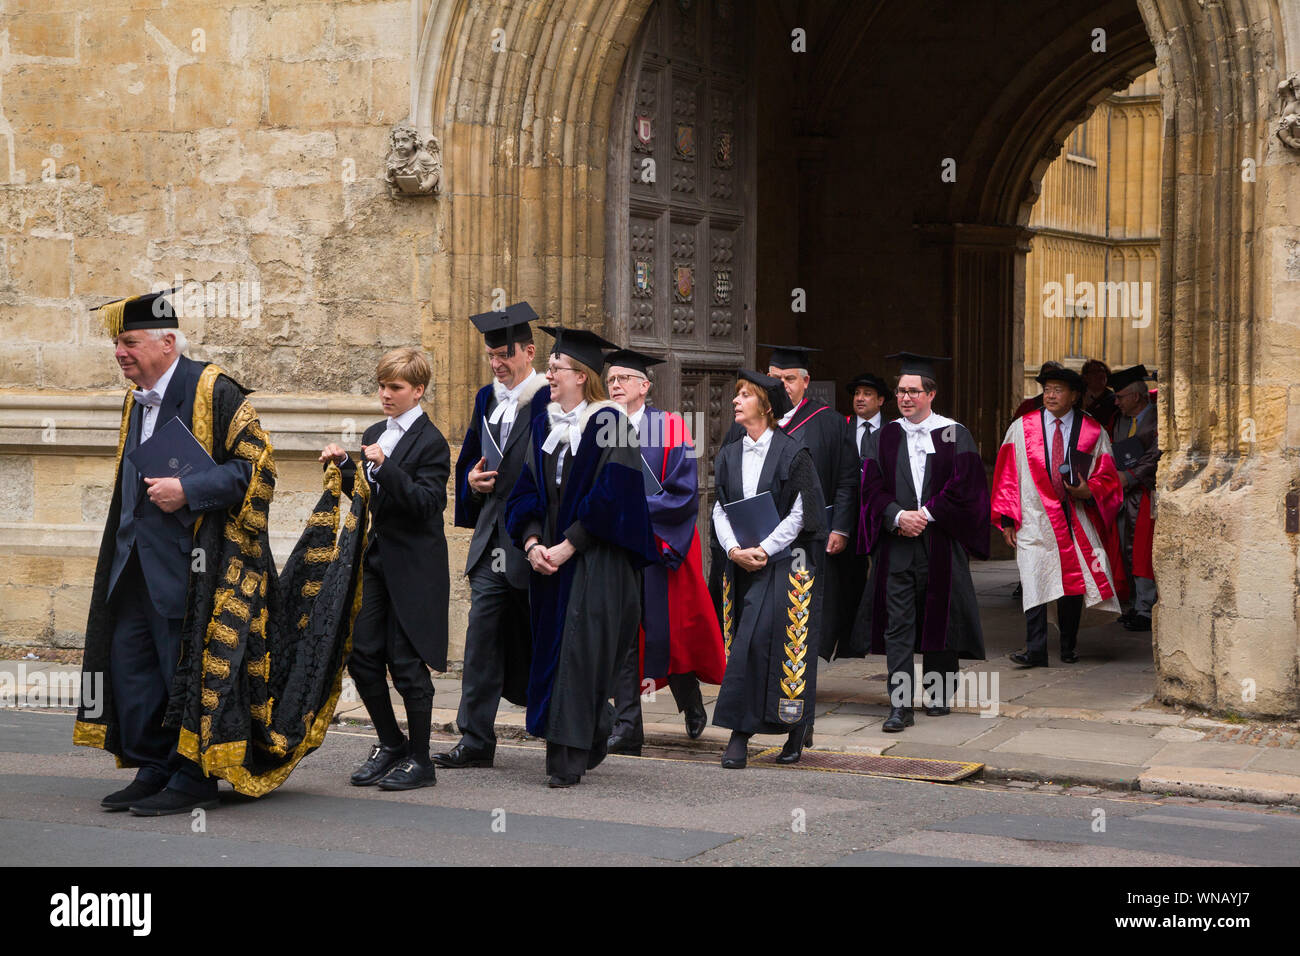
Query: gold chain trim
[[727, 622], [796, 632]]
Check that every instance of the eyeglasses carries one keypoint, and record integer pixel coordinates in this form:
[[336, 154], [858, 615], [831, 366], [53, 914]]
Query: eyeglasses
[[552, 369], [909, 392], [625, 379]]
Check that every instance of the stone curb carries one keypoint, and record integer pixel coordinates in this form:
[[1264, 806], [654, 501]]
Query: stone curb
[[1216, 784]]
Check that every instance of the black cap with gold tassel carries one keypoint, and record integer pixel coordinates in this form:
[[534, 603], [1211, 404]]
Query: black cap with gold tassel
[[150, 311]]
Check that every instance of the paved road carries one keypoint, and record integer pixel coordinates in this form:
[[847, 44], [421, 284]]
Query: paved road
[[630, 811]]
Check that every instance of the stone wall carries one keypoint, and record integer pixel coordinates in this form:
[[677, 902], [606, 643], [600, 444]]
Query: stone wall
[[219, 142]]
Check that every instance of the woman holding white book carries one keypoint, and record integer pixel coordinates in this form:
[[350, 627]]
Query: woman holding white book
[[769, 517]]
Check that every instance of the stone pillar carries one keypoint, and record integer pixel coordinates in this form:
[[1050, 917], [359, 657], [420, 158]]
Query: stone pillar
[[1226, 563]]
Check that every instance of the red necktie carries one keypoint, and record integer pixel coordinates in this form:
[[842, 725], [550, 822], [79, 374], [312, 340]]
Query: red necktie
[[1058, 457]]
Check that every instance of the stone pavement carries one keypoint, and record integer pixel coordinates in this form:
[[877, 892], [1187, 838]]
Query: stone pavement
[[1092, 723]]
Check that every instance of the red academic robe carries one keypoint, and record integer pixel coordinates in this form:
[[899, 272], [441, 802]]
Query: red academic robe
[[1048, 576], [677, 608]]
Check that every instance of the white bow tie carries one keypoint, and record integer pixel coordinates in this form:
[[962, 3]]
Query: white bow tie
[[921, 432], [756, 447], [149, 397], [393, 425], [505, 398], [563, 427]]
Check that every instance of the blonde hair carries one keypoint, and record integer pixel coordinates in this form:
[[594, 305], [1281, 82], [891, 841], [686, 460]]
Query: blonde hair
[[764, 403], [410, 365], [593, 389]]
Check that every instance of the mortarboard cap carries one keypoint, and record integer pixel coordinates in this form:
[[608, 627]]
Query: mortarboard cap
[[775, 389], [587, 347], [868, 380], [1128, 376], [505, 326], [922, 365], [788, 356], [628, 358], [151, 311]]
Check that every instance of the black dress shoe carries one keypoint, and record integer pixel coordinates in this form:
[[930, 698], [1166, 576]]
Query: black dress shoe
[[137, 791], [380, 761], [410, 774], [167, 802], [461, 756], [793, 748], [898, 719], [1125, 617], [1138, 622], [735, 763], [696, 721], [1069, 657], [1024, 660], [623, 745], [937, 710], [559, 781]]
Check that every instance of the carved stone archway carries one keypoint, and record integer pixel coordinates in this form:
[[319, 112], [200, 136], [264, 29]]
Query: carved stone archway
[[525, 135], [520, 95]]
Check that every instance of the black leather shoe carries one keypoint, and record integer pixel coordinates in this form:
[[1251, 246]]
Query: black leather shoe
[[461, 756], [1024, 660], [623, 745], [166, 802], [1138, 622], [137, 791], [898, 719], [410, 774], [735, 763], [559, 781], [696, 721], [1069, 657], [793, 749], [380, 761], [1125, 617], [937, 710]]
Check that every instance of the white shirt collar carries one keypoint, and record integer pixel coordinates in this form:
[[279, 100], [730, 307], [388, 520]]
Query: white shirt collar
[[1067, 420], [916, 427], [762, 441], [408, 418], [160, 386], [873, 421], [785, 419], [636, 417]]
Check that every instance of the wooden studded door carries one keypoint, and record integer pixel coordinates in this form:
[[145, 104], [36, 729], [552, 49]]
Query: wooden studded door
[[679, 266]]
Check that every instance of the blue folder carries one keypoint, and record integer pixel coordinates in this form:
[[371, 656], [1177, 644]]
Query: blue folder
[[652, 486], [171, 452], [491, 451], [752, 519]]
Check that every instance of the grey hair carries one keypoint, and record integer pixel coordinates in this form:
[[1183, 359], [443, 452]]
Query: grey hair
[[181, 342]]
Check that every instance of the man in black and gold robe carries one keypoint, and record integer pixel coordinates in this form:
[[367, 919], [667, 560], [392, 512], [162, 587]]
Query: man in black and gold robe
[[212, 664]]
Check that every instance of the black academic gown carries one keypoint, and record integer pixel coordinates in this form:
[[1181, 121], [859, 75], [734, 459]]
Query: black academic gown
[[772, 617], [586, 615], [851, 567], [829, 441]]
